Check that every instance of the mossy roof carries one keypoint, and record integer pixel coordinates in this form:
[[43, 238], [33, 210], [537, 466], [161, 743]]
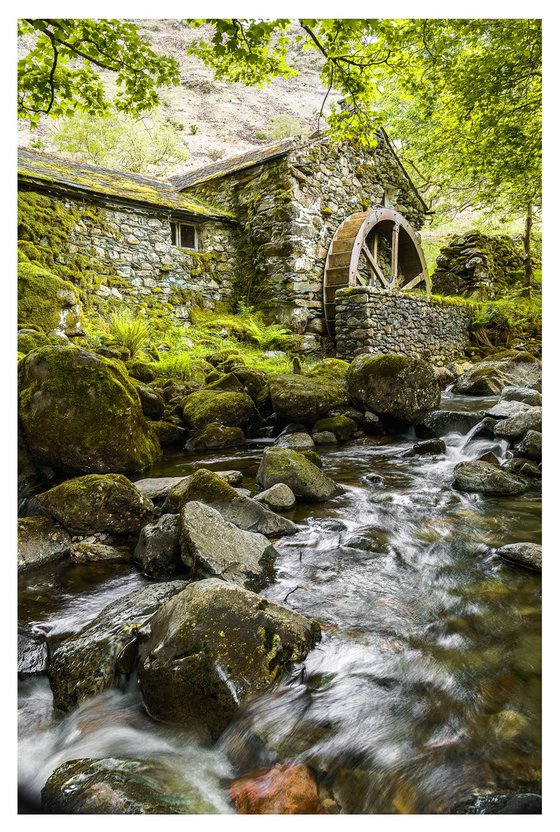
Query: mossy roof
[[233, 164], [63, 175]]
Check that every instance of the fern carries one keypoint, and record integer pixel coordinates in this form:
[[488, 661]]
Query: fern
[[128, 331]]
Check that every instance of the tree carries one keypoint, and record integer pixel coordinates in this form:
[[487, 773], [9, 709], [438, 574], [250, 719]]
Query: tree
[[149, 144], [60, 72]]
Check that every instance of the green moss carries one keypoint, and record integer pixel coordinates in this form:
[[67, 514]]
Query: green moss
[[42, 297], [342, 426], [228, 409]]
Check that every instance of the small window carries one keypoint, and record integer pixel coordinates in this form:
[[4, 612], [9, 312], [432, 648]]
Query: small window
[[183, 235]]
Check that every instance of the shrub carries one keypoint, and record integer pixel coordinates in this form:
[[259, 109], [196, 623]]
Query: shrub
[[128, 331]]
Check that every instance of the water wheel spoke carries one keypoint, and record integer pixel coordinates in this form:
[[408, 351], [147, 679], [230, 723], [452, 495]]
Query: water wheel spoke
[[395, 255], [414, 282], [375, 267]]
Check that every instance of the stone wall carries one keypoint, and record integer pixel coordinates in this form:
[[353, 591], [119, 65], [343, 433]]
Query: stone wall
[[131, 252], [370, 320], [289, 209]]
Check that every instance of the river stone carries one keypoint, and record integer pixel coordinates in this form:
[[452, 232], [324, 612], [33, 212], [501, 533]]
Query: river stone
[[487, 478], [227, 382], [518, 425], [40, 541], [175, 495], [233, 410], [282, 465], [97, 503], [158, 549], [441, 422], [81, 413], [213, 647], [304, 398], [505, 410], [523, 467], [342, 426], [397, 388], [509, 368], [90, 661], [214, 437], [32, 653], [279, 497], [429, 446], [86, 552], [325, 437], [530, 446], [212, 546], [235, 507], [296, 441], [168, 433], [121, 787], [286, 789], [151, 402], [157, 488], [526, 554], [522, 394]]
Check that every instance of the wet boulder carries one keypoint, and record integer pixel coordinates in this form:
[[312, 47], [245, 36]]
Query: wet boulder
[[325, 437], [488, 478], [81, 413], [286, 789], [516, 426], [254, 382], [232, 410], [97, 503], [306, 480], [95, 552], [522, 394], [215, 646], [279, 497], [247, 514], [214, 437], [505, 369], [441, 422], [397, 388], [32, 653], [429, 446], [151, 402], [41, 541], [175, 495], [524, 554], [530, 446], [105, 650], [304, 398], [211, 546], [157, 488], [168, 433], [121, 787], [296, 441], [523, 467], [505, 410], [342, 427], [158, 549]]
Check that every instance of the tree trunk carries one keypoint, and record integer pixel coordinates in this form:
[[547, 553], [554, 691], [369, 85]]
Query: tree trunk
[[527, 250]]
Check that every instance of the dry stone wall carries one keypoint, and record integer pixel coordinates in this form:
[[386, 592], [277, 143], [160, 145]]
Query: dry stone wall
[[289, 209], [370, 320]]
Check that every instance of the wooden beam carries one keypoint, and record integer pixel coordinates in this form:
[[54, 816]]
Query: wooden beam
[[395, 255], [414, 282], [375, 267]]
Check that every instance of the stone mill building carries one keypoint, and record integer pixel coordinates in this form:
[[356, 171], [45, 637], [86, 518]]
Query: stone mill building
[[322, 237]]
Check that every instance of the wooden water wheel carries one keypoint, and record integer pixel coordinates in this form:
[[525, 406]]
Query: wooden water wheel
[[373, 248]]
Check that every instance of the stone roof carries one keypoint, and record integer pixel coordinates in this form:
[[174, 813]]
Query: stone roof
[[65, 176], [233, 164]]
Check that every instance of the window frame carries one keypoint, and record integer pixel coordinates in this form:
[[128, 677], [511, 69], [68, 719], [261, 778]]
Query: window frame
[[175, 228]]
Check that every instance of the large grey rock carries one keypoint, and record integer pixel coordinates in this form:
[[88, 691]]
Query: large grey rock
[[526, 554], [505, 410], [304, 398], [239, 509], [279, 497], [212, 546], [96, 552], [121, 787], [32, 653], [523, 467], [397, 388], [518, 425], [441, 422], [521, 394], [90, 661], [282, 465], [40, 541], [530, 446], [213, 647], [487, 478], [506, 369], [158, 549], [97, 503], [296, 441], [176, 494], [157, 488], [215, 437]]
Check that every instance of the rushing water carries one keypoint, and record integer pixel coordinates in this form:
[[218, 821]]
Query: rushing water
[[425, 688]]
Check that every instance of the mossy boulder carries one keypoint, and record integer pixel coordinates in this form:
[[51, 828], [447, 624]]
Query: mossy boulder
[[524, 554], [215, 646], [333, 367], [218, 358], [46, 301], [175, 496], [95, 658], [98, 503], [342, 427], [40, 541], [397, 388], [504, 369], [31, 339], [208, 487], [304, 399], [81, 413], [227, 382], [141, 370], [254, 382], [168, 433], [233, 410], [486, 478], [214, 437], [122, 787], [307, 481], [151, 402]]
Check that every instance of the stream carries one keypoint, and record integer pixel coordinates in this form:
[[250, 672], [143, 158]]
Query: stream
[[424, 691]]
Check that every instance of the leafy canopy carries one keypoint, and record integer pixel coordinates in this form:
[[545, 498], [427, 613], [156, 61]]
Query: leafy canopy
[[60, 72]]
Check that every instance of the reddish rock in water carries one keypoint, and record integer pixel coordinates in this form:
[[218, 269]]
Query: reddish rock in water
[[288, 789]]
